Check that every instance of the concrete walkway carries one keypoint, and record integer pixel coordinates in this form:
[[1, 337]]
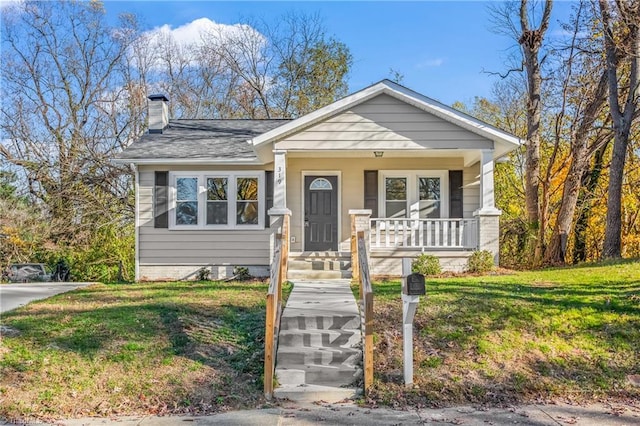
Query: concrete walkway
[[319, 345], [13, 296], [349, 414]]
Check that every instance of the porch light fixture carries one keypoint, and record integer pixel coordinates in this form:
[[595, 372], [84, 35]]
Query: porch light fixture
[[378, 154]]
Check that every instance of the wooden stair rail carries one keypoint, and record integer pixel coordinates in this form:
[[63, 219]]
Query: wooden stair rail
[[274, 305], [366, 306]]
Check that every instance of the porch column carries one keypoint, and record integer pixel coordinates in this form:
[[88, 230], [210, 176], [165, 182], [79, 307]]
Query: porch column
[[488, 215], [280, 179]]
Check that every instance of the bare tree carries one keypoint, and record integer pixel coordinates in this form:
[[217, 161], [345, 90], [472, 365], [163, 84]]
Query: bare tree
[[621, 46], [530, 37], [531, 40], [280, 71], [62, 116], [583, 96]]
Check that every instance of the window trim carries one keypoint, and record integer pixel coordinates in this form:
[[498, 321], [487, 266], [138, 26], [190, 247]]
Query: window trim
[[232, 199], [413, 190]]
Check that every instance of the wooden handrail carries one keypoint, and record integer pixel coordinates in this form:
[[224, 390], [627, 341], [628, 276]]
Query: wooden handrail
[[274, 305], [366, 303]]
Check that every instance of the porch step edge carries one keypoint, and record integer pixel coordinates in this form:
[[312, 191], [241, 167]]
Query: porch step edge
[[312, 274], [313, 393]]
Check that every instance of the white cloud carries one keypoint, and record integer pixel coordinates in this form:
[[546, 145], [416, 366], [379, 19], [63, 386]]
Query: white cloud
[[201, 32], [11, 4], [191, 33], [430, 63]]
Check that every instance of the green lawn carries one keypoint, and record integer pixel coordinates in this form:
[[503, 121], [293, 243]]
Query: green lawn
[[563, 334], [135, 348], [558, 334]]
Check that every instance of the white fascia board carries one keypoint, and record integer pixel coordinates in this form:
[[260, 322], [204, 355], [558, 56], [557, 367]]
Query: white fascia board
[[399, 92], [188, 161]]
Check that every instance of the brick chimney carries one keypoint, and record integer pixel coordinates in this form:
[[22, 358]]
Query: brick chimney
[[158, 113]]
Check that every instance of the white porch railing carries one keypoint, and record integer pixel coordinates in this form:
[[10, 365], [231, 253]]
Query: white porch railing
[[461, 234]]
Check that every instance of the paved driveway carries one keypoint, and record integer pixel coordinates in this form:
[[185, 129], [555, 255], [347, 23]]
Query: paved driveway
[[13, 296]]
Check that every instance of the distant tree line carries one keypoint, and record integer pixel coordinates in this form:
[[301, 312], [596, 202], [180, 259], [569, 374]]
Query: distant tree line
[[74, 91], [575, 100]]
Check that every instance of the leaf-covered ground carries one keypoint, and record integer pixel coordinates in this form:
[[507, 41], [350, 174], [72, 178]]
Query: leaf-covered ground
[[568, 334], [134, 348]]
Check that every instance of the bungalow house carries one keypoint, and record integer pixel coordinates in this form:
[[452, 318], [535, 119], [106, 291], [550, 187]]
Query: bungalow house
[[415, 174]]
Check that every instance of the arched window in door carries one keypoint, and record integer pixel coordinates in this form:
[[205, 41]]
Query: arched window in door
[[320, 184]]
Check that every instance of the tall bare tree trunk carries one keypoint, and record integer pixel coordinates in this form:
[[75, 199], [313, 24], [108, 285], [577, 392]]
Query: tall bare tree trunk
[[629, 48], [531, 41]]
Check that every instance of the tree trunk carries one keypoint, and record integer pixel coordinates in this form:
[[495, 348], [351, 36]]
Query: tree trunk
[[531, 41], [629, 17], [556, 250], [613, 226], [589, 185]]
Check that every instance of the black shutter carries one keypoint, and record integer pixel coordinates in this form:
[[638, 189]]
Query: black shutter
[[371, 191], [161, 200], [268, 197], [455, 194]]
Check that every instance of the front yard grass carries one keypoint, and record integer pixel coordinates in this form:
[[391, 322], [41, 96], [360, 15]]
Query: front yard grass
[[154, 348], [570, 334]]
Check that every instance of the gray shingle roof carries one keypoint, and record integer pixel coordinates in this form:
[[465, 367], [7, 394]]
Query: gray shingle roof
[[200, 140]]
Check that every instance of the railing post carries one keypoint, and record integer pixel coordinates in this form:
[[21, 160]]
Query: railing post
[[284, 260], [359, 222], [366, 299], [280, 221], [269, 349], [279, 257], [355, 269]]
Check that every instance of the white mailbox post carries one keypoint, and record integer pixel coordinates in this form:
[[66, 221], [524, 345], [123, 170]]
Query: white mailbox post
[[409, 304]]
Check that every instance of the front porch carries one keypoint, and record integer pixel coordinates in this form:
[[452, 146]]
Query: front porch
[[388, 242]]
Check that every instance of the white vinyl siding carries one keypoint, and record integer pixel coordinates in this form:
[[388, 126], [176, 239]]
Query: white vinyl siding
[[385, 123], [162, 247]]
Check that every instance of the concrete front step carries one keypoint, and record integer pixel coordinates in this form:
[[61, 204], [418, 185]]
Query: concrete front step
[[310, 274], [340, 338], [348, 357], [319, 265], [312, 393], [319, 342], [319, 322], [324, 375]]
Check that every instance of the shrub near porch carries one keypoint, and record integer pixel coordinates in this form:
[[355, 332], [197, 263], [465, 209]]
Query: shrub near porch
[[561, 334]]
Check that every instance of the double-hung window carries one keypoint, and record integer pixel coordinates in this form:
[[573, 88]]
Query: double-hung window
[[429, 189], [217, 200], [220, 200], [395, 189], [413, 194], [187, 200]]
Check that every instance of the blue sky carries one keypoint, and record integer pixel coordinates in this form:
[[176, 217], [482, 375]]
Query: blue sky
[[441, 47]]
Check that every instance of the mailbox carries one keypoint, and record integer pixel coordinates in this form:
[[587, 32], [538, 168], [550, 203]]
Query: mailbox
[[414, 285]]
